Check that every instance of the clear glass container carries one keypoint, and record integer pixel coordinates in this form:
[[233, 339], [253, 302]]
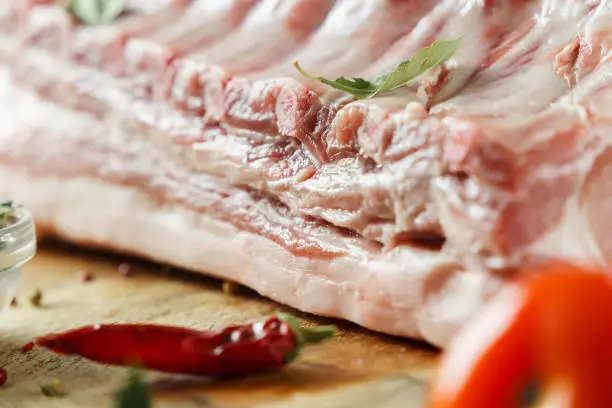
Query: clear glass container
[[17, 247]]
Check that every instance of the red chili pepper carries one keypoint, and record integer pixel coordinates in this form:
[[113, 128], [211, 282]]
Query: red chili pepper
[[233, 351], [3, 376], [27, 347]]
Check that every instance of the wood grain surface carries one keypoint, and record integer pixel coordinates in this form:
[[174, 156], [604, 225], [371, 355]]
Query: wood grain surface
[[358, 369]]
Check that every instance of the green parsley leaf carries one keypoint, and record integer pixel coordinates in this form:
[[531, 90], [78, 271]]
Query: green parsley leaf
[[354, 86], [95, 12], [135, 393], [424, 60]]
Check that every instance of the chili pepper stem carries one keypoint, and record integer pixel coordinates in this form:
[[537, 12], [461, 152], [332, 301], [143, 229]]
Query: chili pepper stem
[[311, 335], [305, 335]]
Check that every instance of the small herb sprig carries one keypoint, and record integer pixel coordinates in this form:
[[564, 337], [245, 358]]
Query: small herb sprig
[[425, 59], [135, 393], [94, 12], [8, 213]]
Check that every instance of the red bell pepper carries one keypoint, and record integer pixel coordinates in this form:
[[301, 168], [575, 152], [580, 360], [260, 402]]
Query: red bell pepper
[[545, 339]]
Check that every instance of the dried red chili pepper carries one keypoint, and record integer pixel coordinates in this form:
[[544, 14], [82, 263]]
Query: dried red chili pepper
[[233, 351], [27, 347], [3, 376]]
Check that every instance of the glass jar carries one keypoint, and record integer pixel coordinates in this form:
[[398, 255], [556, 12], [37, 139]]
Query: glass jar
[[17, 247]]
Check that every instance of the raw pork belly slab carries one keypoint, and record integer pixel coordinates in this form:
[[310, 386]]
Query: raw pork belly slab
[[181, 133]]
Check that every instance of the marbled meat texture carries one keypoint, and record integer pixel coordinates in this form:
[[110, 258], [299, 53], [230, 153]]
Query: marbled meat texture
[[181, 132]]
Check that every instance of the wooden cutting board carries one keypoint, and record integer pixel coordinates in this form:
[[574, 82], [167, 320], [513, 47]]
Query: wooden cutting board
[[358, 369]]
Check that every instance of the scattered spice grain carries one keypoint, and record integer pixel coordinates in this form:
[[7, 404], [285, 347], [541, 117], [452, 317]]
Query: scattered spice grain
[[86, 276], [52, 388], [230, 288], [125, 269], [36, 298], [27, 347]]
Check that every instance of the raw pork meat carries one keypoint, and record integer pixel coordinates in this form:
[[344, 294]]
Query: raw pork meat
[[181, 133]]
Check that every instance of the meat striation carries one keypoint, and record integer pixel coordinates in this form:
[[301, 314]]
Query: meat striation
[[181, 133]]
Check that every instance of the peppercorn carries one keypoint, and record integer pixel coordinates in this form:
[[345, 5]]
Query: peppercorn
[[36, 298], [229, 287], [52, 388], [86, 276]]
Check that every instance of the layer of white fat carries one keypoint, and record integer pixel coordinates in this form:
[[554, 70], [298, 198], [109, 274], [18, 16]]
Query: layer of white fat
[[147, 6], [468, 25], [201, 20], [6, 7], [263, 37], [152, 15], [348, 40], [495, 90], [571, 238], [407, 292], [425, 29]]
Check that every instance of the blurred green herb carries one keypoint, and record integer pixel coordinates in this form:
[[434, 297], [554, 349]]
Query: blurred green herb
[[425, 59], [95, 12], [135, 393]]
